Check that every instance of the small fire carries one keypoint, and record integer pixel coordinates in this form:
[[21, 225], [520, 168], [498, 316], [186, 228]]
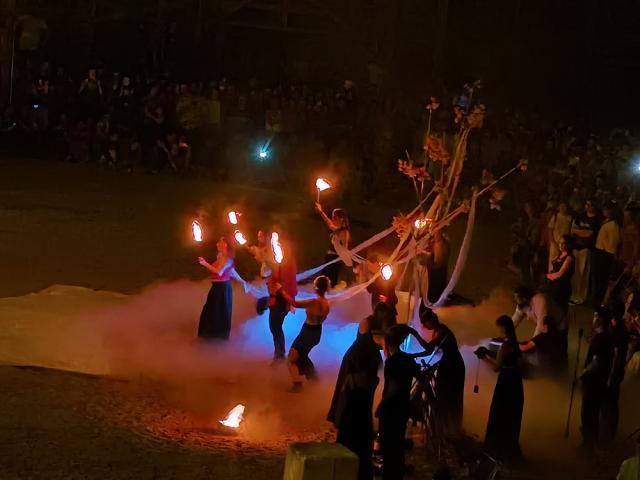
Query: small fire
[[420, 223], [235, 417], [322, 185], [278, 253], [233, 217], [196, 228], [240, 238], [386, 271]]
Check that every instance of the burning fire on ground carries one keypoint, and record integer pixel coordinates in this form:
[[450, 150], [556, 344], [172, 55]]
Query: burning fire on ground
[[234, 418]]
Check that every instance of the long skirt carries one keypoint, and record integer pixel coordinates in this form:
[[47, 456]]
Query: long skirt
[[215, 319], [308, 338], [450, 397], [502, 439]]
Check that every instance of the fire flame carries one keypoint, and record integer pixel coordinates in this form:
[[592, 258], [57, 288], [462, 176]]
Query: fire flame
[[240, 238], [196, 228], [386, 271], [278, 253], [233, 218], [322, 184], [420, 223], [235, 417]]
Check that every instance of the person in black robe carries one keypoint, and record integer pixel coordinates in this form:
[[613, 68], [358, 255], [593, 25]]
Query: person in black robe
[[548, 345], [394, 408], [351, 410], [502, 438], [449, 387], [595, 379], [611, 405]]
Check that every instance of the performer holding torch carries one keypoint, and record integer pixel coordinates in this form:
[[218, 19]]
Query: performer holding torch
[[215, 319], [282, 280], [340, 237]]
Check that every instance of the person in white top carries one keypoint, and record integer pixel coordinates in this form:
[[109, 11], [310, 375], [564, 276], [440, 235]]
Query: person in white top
[[535, 307], [607, 243], [560, 224]]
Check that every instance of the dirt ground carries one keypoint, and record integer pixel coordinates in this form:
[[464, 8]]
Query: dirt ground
[[66, 224]]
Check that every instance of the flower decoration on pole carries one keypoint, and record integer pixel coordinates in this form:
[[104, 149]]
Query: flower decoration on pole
[[433, 104], [401, 224], [278, 253], [435, 149], [321, 186], [197, 231], [497, 194], [412, 171], [523, 164]]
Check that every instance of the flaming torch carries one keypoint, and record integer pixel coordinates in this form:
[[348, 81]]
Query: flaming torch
[[278, 253], [233, 217], [234, 418], [386, 271], [198, 233], [322, 185], [240, 238]]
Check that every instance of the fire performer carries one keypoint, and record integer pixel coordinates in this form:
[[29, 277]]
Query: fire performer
[[300, 365], [215, 319], [282, 280], [351, 409], [340, 237]]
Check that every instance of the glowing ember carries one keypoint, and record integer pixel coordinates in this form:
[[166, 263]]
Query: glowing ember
[[233, 218], [322, 185], [420, 223], [240, 238], [278, 253], [196, 228], [235, 417], [386, 271]]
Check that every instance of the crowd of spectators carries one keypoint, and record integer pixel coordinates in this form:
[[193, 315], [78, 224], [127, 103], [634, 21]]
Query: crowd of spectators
[[153, 123], [577, 232]]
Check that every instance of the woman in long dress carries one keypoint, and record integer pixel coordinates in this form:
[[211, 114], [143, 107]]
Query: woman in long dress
[[300, 365], [215, 319], [449, 386], [502, 439]]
